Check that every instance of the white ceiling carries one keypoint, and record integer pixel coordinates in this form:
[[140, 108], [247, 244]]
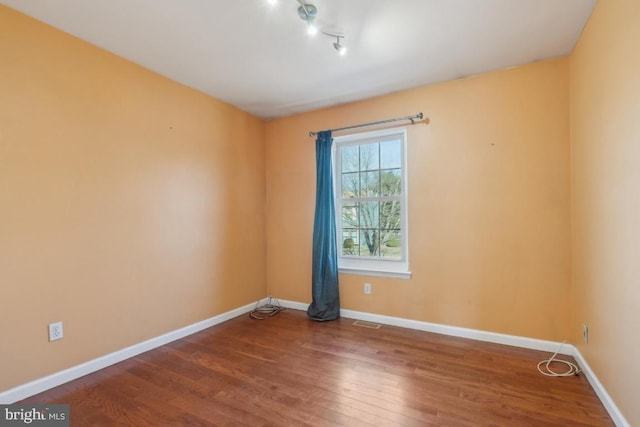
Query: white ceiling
[[260, 59]]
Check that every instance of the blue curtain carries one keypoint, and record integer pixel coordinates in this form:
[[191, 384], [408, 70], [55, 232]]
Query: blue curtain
[[324, 276]]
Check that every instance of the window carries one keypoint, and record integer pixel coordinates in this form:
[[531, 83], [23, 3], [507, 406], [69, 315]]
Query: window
[[371, 205]]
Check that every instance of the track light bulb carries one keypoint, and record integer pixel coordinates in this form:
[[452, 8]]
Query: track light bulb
[[342, 50], [312, 29]]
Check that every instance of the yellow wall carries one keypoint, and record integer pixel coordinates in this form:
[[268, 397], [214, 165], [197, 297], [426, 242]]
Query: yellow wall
[[488, 203], [605, 127], [129, 205]]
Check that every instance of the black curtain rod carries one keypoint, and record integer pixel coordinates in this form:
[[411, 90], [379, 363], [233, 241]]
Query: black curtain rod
[[418, 116]]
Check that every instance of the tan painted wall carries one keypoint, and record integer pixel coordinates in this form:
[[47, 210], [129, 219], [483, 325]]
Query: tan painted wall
[[130, 205], [605, 127], [488, 203], [118, 189]]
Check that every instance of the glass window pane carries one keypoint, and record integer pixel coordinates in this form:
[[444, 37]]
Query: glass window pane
[[390, 244], [370, 184], [369, 242], [391, 182], [390, 154], [350, 185], [390, 215], [350, 242], [369, 157], [369, 215], [350, 215], [349, 158]]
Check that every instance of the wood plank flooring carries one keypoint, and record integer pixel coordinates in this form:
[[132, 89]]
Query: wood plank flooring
[[290, 371]]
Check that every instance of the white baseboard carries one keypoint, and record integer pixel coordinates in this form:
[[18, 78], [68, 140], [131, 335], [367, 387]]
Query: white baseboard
[[493, 337], [531, 343], [607, 401], [38, 386]]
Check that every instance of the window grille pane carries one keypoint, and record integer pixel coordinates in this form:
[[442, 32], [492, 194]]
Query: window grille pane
[[370, 242], [369, 157], [391, 182], [350, 242], [349, 155], [390, 217], [391, 154], [350, 184], [369, 215], [390, 244], [370, 184], [350, 215]]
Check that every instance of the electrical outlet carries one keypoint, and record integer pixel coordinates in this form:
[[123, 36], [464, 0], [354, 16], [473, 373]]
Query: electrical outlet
[[55, 331], [367, 288], [585, 333]]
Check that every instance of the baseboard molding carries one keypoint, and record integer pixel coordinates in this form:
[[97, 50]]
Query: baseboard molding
[[38, 386], [516, 341], [607, 401], [493, 337]]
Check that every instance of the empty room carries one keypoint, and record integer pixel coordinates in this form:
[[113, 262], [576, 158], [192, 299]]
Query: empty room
[[320, 212]]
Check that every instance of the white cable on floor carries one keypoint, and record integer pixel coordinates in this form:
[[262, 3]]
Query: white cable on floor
[[270, 308], [544, 367]]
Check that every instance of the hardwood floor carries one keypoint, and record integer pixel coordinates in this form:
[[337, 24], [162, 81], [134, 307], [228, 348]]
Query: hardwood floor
[[288, 370]]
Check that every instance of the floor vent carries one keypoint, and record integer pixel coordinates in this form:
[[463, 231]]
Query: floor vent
[[364, 324]]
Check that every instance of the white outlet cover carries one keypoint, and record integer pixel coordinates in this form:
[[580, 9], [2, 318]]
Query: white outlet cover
[[55, 331]]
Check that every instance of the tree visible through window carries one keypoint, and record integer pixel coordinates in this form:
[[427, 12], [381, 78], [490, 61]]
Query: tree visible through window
[[370, 197]]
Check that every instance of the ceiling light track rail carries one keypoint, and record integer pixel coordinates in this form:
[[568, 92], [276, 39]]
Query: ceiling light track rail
[[413, 119]]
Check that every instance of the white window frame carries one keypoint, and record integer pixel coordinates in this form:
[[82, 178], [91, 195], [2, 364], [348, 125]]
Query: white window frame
[[364, 265]]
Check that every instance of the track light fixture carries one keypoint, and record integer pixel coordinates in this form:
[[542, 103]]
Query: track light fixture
[[339, 47], [308, 12]]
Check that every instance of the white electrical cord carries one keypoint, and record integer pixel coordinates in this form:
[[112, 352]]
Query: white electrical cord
[[270, 308], [544, 367]]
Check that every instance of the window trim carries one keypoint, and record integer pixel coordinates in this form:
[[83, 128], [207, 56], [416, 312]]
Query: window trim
[[395, 268]]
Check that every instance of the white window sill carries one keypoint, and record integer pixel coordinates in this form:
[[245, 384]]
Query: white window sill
[[376, 273]]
